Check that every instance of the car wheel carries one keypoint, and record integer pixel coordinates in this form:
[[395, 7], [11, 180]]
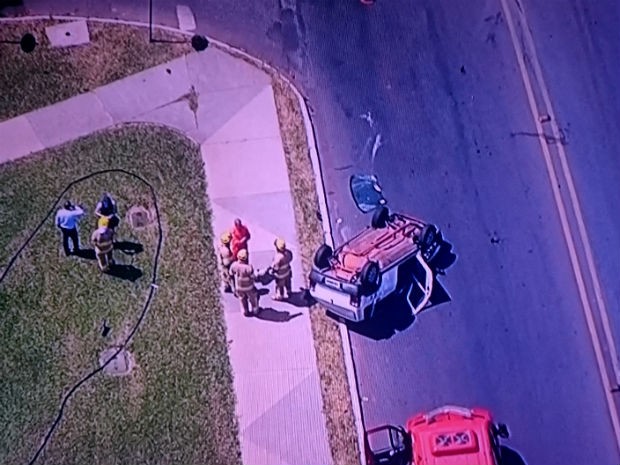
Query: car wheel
[[380, 218], [429, 236], [322, 256], [370, 278]]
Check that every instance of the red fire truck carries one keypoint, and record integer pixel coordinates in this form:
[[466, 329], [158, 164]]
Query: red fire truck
[[449, 435]]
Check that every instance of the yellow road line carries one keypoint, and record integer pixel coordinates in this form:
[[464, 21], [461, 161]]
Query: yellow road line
[[576, 206], [596, 343]]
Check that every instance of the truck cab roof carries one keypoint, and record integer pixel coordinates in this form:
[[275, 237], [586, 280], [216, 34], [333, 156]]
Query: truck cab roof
[[452, 436]]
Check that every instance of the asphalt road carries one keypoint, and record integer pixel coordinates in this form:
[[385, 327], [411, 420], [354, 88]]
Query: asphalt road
[[444, 89], [447, 130]]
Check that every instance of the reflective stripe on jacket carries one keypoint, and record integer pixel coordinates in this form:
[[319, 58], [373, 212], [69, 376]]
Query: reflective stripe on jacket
[[244, 276], [102, 239], [226, 257], [282, 264]]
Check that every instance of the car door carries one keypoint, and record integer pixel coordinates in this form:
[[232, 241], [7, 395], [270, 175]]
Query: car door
[[387, 445]]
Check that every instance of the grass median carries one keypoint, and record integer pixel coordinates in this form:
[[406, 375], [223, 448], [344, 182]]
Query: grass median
[[49, 75], [328, 343], [177, 405]]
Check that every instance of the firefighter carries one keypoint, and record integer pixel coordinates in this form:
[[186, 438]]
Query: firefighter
[[226, 260], [281, 270], [102, 240], [240, 238], [244, 278]]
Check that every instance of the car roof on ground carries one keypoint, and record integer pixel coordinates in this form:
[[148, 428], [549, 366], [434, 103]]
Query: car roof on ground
[[386, 246]]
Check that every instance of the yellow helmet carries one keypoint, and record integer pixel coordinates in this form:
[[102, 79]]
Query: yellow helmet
[[103, 222], [242, 255], [226, 238], [280, 243]]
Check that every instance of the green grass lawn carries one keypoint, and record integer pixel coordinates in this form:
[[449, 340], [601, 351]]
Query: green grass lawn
[[177, 406], [48, 75]]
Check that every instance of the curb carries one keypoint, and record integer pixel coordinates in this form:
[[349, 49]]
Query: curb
[[329, 240], [318, 178]]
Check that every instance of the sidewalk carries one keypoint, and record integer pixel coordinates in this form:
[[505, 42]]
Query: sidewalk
[[279, 403]]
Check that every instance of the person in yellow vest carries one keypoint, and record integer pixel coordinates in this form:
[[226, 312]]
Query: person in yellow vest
[[103, 241], [226, 260], [245, 290], [281, 270]]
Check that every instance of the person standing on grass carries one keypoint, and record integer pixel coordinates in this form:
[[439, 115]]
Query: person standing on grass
[[104, 247], [67, 219], [106, 208]]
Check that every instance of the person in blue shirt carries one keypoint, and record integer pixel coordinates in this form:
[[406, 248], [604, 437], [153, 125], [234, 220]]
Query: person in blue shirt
[[67, 219]]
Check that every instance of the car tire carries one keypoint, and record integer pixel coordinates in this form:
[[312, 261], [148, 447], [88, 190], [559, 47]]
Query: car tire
[[380, 218], [322, 256], [370, 278], [429, 236]]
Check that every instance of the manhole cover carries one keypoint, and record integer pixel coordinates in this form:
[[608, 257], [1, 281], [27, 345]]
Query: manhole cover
[[121, 365], [139, 217]]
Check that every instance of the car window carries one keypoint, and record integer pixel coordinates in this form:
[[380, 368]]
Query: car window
[[366, 192]]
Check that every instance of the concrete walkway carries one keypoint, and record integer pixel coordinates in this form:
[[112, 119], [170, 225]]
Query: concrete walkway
[[279, 403]]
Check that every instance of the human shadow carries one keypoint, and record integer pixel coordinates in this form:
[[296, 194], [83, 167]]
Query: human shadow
[[301, 298], [87, 254], [278, 316], [129, 248], [511, 456], [126, 272], [263, 291]]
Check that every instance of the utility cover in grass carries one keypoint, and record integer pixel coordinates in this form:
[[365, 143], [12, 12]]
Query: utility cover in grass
[[68, 34], [121, 365], [138, 217]]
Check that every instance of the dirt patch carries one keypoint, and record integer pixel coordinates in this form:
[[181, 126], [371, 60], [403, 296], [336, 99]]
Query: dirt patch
[[139, 217], [121, 363], [330, 358], [124, 419]]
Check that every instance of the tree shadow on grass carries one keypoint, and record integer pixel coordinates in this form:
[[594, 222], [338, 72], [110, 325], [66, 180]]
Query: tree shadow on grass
[[126, 272]]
